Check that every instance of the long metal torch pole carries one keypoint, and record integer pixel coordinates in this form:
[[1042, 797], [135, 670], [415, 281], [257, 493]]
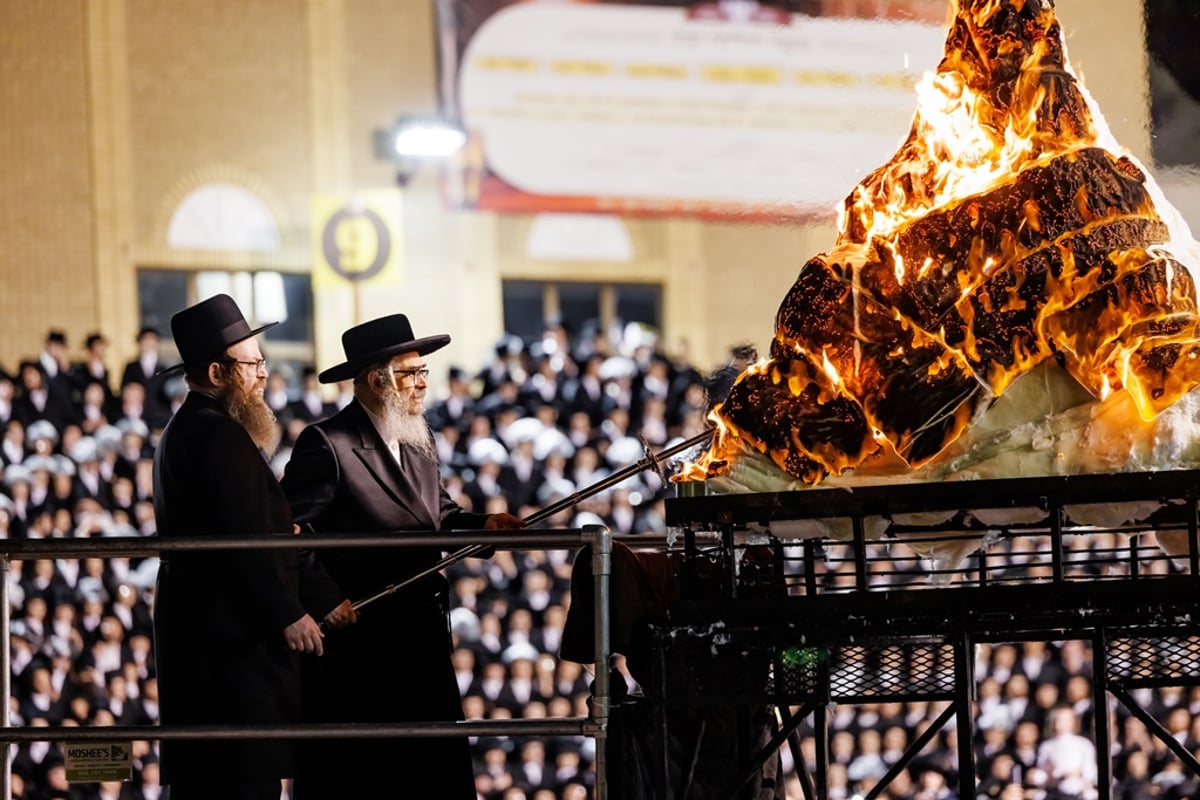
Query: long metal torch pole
[[651, 460]]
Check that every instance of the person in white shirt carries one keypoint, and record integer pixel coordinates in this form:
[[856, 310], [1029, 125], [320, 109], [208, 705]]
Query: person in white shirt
[[1068, 759]]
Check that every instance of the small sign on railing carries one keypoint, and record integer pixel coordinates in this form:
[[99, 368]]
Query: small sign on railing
[[88, 762]]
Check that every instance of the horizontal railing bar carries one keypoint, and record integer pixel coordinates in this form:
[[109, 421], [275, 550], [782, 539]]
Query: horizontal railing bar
[[501, 727], [594, 726], [549, 539], [892, 499], [147, 545]]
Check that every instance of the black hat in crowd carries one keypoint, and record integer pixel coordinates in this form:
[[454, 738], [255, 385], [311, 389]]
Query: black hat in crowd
[[206, 330], [376, 341]]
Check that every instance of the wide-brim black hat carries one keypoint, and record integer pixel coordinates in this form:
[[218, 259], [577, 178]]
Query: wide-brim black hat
[[203, 332], [377, 341]]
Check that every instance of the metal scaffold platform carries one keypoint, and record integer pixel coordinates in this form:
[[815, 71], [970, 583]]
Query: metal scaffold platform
[[790, 602]]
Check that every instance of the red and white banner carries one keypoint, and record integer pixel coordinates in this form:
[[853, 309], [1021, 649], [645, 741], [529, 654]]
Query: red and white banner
[[723, 109]]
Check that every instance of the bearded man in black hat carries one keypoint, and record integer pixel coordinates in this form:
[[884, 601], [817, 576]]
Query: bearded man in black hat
[[228, 624], [373, 467]]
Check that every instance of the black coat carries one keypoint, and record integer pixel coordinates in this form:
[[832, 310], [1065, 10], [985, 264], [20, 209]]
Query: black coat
[[220, 615], [57, 410], [81, 376], [393, 665], [157, 406], [298, 409]]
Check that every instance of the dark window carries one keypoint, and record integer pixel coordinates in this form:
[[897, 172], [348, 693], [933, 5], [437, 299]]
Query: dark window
[[584, 309], [298, 327], [523, 308], [1174, 80], [285, 298], [579, 308], [160, 294], [639, 303]]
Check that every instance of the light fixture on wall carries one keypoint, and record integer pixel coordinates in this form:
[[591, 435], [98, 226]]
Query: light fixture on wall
[[416, 139]]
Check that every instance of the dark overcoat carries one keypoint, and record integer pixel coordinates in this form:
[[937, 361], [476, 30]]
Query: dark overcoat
[[393, 665], [220, 615]]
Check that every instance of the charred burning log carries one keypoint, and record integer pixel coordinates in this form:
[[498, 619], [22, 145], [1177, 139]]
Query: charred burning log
[[1005, 232]]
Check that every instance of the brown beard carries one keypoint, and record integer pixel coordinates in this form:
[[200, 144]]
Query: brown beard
[[401, 424], [249, 409]]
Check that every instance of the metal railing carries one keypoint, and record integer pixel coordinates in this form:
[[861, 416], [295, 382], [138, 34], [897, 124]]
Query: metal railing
[[598, 537]]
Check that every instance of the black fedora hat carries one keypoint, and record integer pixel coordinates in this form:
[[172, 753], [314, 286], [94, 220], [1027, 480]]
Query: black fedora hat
[[203, 332], [377, 341]]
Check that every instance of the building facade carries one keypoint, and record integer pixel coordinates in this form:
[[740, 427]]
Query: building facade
[[153, 151]]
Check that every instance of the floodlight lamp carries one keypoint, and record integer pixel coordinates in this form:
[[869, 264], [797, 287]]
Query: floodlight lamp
[[417, 139], [426, 139]]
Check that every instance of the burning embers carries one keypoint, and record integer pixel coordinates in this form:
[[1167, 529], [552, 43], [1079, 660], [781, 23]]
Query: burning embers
[[1006, 231]]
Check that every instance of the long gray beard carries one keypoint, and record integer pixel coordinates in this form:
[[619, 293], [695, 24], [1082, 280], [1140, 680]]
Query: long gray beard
[[410, 430]]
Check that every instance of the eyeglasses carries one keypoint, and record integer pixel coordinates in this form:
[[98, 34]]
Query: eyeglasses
[[414, 373], [257, 364]]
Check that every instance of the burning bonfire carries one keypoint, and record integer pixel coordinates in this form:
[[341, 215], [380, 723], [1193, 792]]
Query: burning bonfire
[[1009, 295]]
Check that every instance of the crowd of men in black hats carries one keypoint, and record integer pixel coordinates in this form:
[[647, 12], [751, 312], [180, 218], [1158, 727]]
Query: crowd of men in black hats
[[539, 421]]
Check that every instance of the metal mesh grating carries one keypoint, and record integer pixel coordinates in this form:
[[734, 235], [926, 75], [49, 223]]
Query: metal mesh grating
[[726, 667], [899, 670], [1154, 660]]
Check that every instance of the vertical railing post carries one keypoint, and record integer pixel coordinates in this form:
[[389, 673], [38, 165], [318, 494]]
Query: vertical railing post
[[1193, 544], [821, 739], [1101, 715], [861, 579], [964, 694], [600, 540], [5, 678], [1056, 541]]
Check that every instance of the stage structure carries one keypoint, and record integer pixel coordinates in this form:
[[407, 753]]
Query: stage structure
[[882, 593]]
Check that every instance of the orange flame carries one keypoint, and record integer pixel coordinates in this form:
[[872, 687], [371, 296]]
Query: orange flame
[[1009, 227]]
